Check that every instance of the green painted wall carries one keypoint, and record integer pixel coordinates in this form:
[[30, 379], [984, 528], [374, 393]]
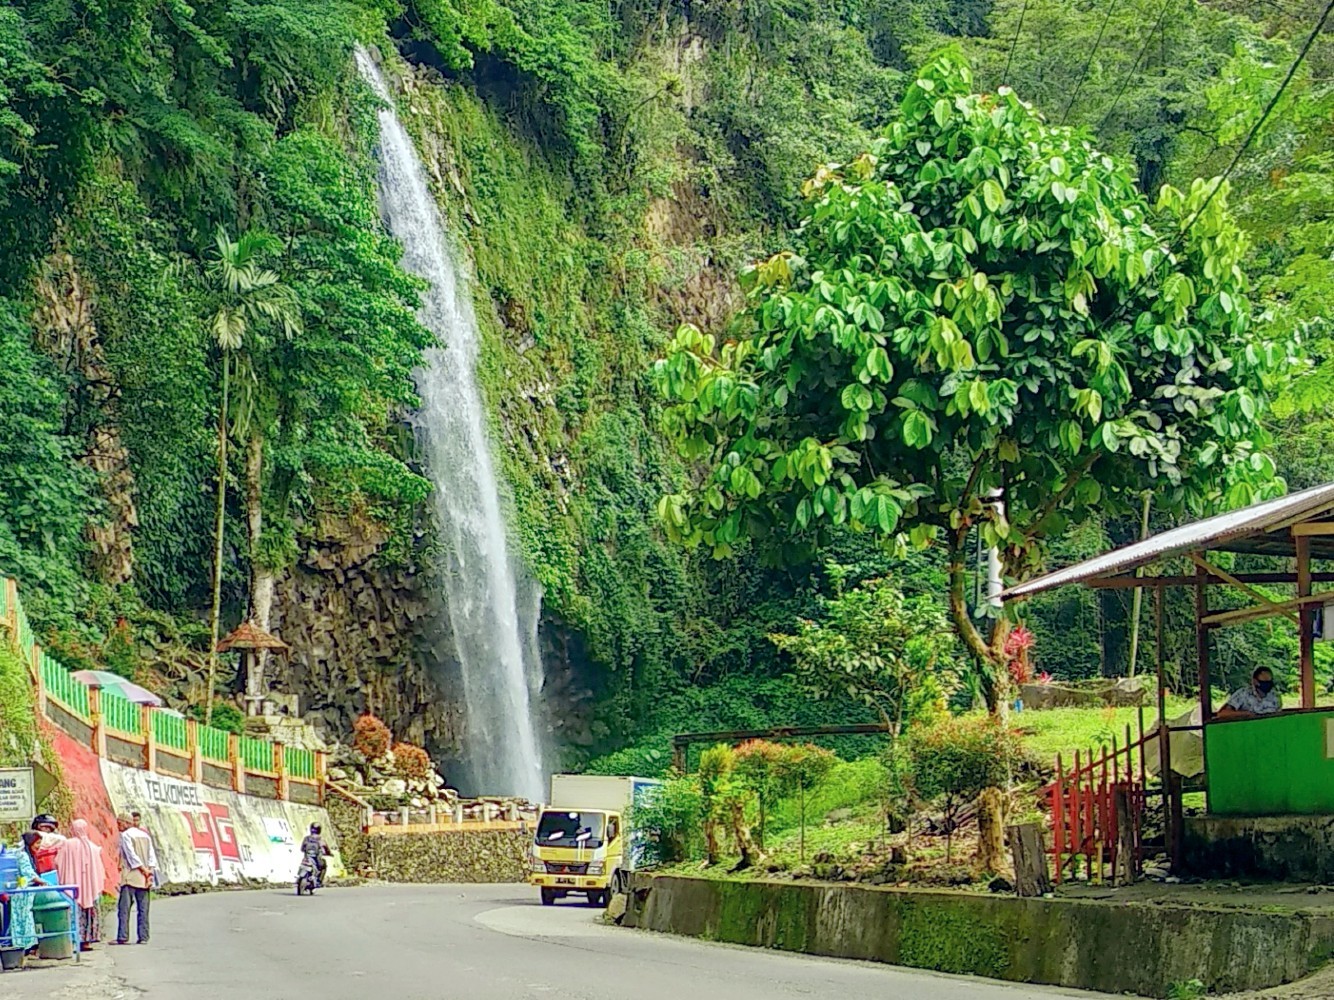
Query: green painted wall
[[1270, 767]]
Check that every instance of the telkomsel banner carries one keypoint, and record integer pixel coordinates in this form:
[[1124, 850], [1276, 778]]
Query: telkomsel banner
[[206, 834]]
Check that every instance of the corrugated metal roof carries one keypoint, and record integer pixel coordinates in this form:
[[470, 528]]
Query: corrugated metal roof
[[1244, 530]]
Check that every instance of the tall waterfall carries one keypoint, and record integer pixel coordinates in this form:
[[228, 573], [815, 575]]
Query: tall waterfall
[[500, 753]]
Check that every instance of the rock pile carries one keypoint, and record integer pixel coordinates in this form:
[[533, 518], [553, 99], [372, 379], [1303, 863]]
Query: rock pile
[[382, 782]]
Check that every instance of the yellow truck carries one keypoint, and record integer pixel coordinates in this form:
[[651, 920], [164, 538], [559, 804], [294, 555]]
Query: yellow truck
[[583, 843]]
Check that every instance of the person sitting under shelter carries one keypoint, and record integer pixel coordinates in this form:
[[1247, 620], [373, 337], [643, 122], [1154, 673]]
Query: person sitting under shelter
[[1257, 698]]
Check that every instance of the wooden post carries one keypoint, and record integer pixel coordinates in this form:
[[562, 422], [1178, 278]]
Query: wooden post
[[1031, 877], [238, 766], [196, 755], [1202, 647], [35, 665], [99, 739], [12, 614], [1123, 866], [1164, 737], [280, 769], [321, 773], [1306, 639], [679, 757], [1175, 823], [150, 738]]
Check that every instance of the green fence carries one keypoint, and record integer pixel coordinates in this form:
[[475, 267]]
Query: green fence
[[257, 755], [169, 730], [61, 683], [300, 763], [121, 714], [213, 744], [126, 718]]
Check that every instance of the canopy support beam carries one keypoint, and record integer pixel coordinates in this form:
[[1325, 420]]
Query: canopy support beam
[[1306, 625]]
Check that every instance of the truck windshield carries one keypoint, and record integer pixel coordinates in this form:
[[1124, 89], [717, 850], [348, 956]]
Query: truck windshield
[[570, 829]]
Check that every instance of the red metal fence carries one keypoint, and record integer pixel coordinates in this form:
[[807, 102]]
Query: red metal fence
[[1085, 806]]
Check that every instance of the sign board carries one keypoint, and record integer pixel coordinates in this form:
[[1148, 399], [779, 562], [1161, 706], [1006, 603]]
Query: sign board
[[17, 799]]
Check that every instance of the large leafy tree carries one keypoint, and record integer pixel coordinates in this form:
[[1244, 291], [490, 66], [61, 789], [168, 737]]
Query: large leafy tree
[[982, 324]]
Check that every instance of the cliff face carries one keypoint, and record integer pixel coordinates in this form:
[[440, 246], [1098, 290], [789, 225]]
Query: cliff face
[[364, 638]]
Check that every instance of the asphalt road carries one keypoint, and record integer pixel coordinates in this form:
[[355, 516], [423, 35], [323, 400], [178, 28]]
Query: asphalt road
[[385, 942]]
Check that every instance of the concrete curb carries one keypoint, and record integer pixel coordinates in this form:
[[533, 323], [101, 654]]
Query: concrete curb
[[1112, 947]]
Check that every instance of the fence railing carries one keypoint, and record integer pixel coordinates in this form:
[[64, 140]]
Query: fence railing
[[110, 715], [1097, 809]]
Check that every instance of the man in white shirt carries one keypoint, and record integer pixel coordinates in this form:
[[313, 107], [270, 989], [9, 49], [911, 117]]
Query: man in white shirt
[[1257, 698], [138, 861]]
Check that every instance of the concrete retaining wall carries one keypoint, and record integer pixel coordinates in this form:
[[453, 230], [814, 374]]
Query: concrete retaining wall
[[1294, 848], [478, 856], [1112, 947]]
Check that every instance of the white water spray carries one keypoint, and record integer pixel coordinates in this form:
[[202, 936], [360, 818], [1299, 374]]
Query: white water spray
[[501, 754]]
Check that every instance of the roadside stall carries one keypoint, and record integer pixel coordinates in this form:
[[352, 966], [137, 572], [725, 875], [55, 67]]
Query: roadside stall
[[1269, 778]]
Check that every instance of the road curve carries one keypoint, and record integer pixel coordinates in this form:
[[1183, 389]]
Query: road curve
[[383, 942]]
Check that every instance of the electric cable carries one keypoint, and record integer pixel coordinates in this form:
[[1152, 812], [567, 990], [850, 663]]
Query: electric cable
[[1125, 82], [1014, 42], [1111, 6]]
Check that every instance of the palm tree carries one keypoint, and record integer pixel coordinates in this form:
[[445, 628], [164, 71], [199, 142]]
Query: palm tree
[[251, 299]]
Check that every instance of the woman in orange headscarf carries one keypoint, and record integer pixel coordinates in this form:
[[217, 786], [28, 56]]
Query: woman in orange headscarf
[[79, 862]]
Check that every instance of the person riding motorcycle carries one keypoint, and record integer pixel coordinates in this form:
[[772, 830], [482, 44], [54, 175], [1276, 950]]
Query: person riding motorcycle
[[314, 850]]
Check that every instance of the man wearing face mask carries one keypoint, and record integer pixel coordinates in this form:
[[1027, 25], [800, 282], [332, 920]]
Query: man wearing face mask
[[1257, 698]]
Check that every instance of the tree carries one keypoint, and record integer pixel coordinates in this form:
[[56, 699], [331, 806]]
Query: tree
[[723, 805], [250, 298], [983, 325], [758, 768], [799, 768], [872, 645], [955, 762]]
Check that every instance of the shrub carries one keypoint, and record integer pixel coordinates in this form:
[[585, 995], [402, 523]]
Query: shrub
[[669, 821], [411, 762], [370, 736], [226, 716], [949, 764]]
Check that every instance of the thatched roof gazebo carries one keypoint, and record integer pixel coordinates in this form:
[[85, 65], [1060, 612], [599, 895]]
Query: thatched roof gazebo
[[254, 643]]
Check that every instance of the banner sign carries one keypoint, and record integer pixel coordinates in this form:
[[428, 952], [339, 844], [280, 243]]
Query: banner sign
[[206, 834], [18, 802]]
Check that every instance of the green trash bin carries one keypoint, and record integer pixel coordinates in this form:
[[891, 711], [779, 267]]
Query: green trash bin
[[52, 913]]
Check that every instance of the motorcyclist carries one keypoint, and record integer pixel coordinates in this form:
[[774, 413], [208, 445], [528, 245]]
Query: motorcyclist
[[314, 850], [43, 843]]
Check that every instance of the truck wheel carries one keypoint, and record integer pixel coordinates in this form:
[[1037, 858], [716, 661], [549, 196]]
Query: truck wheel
[[548, 897], [618, 883], [598, 899]]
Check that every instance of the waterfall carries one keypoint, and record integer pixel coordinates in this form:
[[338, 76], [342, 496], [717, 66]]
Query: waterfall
[[500, 751]]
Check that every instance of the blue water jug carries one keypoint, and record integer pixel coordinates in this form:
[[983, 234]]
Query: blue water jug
[[9, 868]]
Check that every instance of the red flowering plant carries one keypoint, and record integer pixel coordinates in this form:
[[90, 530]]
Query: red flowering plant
[[1017, 644]]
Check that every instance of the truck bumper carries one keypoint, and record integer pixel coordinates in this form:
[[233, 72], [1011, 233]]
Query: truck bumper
[[570, 883]]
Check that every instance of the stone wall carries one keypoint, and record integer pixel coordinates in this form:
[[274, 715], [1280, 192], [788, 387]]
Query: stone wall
[[1113, 947], [1295, 848], [481, 856]]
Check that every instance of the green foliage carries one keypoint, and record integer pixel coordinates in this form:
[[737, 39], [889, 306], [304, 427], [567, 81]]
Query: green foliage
[[875, 647], [44, 495], [1187, 989], [226, 716], [670, 820]]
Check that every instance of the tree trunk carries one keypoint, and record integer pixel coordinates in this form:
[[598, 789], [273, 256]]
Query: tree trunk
[[219, 524], [991, 830], [261, 577]]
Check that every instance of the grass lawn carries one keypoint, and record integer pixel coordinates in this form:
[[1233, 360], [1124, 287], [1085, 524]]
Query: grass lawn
[[1065, 730]]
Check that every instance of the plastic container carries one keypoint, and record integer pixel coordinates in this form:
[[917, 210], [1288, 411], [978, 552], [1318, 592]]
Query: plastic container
[[11, 959], [51, 911]]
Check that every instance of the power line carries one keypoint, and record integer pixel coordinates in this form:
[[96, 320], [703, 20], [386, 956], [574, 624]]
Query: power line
[[1014, 42], [1111, 6], [1125, 82], [1259, 124]]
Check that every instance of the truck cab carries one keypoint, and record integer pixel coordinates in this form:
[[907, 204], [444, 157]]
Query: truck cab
[[583, 843], [577, 850]]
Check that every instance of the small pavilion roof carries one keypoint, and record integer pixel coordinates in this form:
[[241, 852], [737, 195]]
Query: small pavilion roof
[[248, 635], [1260, 529]]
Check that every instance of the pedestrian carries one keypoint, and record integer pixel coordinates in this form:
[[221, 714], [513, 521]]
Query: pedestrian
[[43, 841], [22, 927], [138, 859], [79, 862]]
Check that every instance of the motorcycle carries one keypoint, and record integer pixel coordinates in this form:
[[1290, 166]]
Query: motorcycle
[[307, 877]]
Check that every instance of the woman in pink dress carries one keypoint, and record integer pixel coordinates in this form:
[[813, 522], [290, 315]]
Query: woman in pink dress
[[79, 862]]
